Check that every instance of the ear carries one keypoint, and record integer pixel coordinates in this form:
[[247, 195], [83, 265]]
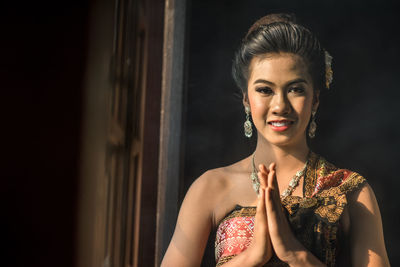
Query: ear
[[315, 100], [246, 100]]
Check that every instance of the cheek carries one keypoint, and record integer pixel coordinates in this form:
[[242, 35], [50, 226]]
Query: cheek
[[258, 105], [302, 107]]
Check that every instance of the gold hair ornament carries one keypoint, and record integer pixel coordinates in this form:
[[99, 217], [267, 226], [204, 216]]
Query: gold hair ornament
[[328, 69]]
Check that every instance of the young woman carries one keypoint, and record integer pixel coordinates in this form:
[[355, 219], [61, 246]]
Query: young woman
[[284, 205]]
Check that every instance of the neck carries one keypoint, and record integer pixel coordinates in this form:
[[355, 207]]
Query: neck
[[288, 158]]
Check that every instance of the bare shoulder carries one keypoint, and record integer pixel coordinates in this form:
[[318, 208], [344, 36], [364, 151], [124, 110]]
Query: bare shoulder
[[365, 216], [219, 179], [365, 196], [363, 204], [213, 182], [219, 189]]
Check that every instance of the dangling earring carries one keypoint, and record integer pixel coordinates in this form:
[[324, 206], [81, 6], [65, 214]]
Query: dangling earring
[[313, 126], [248, 129]]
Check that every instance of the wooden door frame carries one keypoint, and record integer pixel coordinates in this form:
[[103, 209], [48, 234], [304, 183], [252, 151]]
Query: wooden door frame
[[156, 190], [171, 127]]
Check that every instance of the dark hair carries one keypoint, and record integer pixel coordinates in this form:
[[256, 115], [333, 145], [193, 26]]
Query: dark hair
[[277, 33]]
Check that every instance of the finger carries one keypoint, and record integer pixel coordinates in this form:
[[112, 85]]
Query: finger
[[261, 210], [263, 180], [261, 222], [263, 175], [273, 195], [277, 227], [270, 205], [273, 184], [263, 168], [273, 181], [273, 206], [272, 176]]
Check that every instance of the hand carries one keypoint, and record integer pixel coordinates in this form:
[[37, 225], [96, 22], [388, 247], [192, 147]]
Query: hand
[[287, 248], [261, 248], [283, 241]]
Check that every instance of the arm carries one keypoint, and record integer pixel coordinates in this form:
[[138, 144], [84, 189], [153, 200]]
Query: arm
[[195, 221], [367, 242], [193, 226]]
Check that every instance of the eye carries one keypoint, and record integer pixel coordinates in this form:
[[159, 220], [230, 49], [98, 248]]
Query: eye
[[297, 89], [264, 90]]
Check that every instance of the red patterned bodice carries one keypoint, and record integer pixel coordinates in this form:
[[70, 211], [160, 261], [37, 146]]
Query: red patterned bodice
[[234, 233]]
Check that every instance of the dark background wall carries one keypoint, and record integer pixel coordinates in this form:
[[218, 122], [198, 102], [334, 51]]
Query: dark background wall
[[43, 54], [357, 120]]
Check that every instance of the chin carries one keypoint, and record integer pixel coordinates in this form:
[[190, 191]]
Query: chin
[[283, 140], [280, 142]]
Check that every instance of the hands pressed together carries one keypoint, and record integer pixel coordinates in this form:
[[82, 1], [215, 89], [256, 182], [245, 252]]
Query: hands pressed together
[[272, 230]]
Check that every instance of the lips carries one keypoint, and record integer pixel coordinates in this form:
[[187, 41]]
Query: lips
[[280, 125]]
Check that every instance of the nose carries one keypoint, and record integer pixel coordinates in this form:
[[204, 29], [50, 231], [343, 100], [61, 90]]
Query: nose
[[280, 105]]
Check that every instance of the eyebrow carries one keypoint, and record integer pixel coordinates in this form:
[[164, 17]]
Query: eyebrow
[[299, 80]]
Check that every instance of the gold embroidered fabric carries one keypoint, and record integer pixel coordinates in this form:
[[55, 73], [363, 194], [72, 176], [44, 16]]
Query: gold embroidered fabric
[[314, 218]]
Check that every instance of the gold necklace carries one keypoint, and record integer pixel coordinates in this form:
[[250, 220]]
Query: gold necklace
[[294, 182]]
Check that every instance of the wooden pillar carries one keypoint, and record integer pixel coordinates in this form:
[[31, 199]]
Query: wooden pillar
[[172, 106]]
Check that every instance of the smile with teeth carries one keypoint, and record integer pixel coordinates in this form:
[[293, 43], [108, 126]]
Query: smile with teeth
[[280, 125]]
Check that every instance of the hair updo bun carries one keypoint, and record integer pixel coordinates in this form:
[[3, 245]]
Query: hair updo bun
[[272, 18], [280, 33]]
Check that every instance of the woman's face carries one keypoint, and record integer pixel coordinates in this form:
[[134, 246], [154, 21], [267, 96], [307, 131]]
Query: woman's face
[[281, 98]]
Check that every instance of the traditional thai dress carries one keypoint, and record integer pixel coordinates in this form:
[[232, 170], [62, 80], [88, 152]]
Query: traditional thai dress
[[314, 218]]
